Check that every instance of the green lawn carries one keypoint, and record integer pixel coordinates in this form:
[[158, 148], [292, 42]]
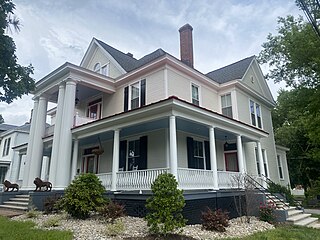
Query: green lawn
[[16, 230], [286, 232]]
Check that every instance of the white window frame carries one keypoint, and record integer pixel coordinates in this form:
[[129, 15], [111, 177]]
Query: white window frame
[[256, 117], [6, 147], [193, 85], [85, 162], [97, 69], [130, 94], [107, 67], [127, 153], [265, 162], [99, 108], [224, 95], [280, 167]]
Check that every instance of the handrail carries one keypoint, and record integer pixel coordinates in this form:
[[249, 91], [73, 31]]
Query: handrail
[[268, 179], [255, 183]]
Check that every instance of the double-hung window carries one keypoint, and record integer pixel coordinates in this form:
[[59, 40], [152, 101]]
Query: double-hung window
[[226, 105], [255, 114], [195, 94], [6, 147], [198, 155], [135, 95], [280, 166], [133, 154]]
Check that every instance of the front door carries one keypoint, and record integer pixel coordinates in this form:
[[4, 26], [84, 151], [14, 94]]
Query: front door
[[231, 162], [90, 164]]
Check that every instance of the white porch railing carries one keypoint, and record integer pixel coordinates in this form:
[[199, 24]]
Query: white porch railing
[[228, 179], [195, 178], [79, 120], [105, 178], [138, 180]]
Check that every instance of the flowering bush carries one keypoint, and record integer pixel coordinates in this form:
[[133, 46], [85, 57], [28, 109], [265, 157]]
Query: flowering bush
[[267, 212]]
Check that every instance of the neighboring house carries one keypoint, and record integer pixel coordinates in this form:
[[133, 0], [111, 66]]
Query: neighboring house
[[129, 120], [11, 163]]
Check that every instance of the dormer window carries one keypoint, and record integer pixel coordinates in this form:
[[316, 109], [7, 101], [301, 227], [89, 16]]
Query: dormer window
[[105, 70], [97, 68]]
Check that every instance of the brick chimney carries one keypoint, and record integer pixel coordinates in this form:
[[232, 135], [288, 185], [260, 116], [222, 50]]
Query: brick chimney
[[186, 45]]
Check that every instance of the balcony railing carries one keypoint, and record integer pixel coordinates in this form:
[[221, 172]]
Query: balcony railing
[[105, 179]]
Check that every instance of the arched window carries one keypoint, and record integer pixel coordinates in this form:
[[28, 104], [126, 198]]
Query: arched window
[[97, 67]]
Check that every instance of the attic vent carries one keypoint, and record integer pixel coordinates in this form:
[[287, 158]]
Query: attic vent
[[130, 54]]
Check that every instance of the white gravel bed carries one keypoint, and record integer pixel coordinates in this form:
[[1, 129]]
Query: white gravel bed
[[95, 228]]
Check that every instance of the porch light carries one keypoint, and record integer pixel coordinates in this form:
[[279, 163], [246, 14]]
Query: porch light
[[226, 144]]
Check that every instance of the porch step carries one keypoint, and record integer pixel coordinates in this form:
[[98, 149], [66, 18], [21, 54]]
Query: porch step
[[18, 202], [294, 212], [299, 217], [306, 222], [315, 225]]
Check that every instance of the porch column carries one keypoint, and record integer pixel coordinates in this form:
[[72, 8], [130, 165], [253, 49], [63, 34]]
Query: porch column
[[26, 170], [213, 158], [173, 147], [240, 154], [74, 158], [37, 144], [65, 146], [56, 135], [115, 160], [261, 164]]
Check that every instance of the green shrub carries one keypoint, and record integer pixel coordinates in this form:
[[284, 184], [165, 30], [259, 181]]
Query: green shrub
[[50, 204], [277, 188], [165, 206], [313, 192], [115, 228], [266, 212], [215, 220], [32, 213], [112, 210], [53, 221], [83, 195]]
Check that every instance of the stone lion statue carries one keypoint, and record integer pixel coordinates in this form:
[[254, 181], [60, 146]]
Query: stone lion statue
[[40, 184], [9, 185]]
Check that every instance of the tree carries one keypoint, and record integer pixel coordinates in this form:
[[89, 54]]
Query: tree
[[1, 119], [15, 79]]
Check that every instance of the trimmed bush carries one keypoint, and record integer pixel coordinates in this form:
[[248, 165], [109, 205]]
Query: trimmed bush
[[165, 206], [112, 211], [215, 220], [83, 195]]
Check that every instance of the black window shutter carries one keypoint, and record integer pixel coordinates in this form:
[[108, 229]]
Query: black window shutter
[[143, 92], [207, 152], [143, 153], [123, 154], [126, 99], [191, 163]]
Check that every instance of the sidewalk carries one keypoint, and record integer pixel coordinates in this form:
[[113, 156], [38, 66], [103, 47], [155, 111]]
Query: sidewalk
[[10, 213]]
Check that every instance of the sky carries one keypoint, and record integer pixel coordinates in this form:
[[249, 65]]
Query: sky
[[59, 31]]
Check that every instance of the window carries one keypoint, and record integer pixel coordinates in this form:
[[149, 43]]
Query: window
[[97, 68], [265, 165], [255, 113], [133, 154], [3, 171], [105, 70], [94, 109], [226, 105], [257, 161], [198, 155], [195, 94], [135, 95], [280, 166], [6, 147]]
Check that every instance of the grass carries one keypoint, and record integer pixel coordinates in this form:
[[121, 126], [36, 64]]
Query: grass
[[16, 230], [285, 232]]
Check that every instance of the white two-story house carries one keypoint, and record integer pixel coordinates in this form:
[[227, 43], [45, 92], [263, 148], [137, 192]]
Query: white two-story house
[[129, 120]]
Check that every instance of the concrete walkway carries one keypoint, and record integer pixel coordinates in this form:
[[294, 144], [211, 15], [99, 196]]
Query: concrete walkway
[[10, 213], [312, 211]]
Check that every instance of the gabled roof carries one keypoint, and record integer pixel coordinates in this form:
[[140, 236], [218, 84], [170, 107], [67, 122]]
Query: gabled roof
[[5, 127], [23, 128], [127, 62], [231, 72]]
